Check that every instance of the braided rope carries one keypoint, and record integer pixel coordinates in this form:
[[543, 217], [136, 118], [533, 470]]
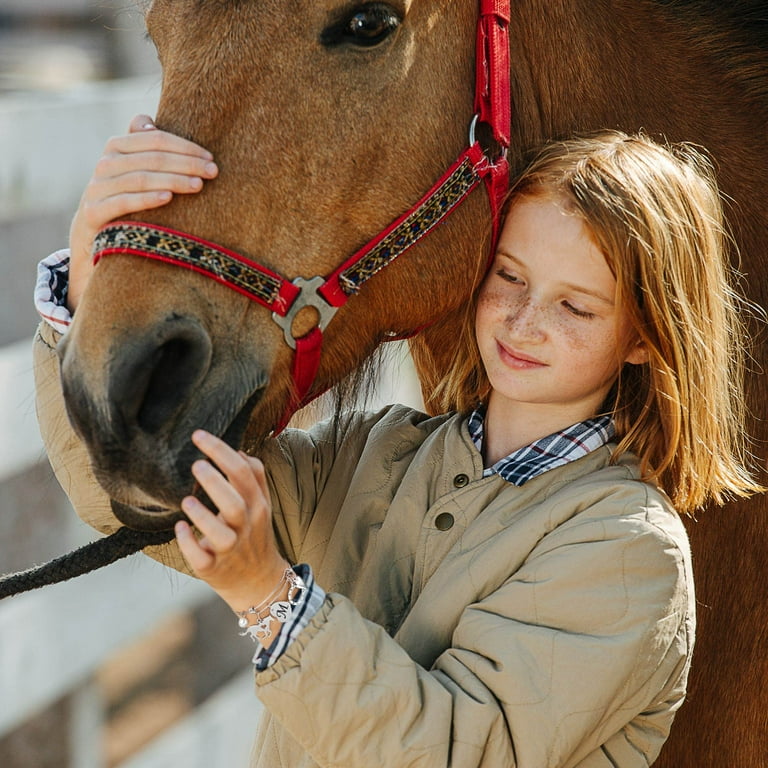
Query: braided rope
[[87, 558]]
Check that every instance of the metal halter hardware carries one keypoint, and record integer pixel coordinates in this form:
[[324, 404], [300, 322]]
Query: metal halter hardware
[[308, 297]]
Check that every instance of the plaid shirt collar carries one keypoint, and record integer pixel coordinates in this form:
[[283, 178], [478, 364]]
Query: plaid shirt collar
[[547, 453]]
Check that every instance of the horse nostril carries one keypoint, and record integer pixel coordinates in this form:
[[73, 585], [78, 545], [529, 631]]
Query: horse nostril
[[152, 380], [175, 364]]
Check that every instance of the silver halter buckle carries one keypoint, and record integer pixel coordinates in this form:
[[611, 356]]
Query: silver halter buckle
[[308, 297]]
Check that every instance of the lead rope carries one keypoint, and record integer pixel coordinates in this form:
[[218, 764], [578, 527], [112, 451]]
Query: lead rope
[[87, 558]]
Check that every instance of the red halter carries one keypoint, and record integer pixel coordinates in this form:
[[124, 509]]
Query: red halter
[[326, 295]]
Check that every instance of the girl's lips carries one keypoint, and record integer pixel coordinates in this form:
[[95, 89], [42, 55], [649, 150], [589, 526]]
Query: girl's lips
[[517, 359]]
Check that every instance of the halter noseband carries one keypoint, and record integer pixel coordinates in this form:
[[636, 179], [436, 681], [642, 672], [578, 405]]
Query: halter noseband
[[285, 298]]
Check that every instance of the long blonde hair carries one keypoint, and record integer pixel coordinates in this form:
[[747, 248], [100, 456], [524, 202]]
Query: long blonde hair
[[655, 213]]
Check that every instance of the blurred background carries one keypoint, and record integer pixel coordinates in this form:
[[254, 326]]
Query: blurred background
[[134, 665]]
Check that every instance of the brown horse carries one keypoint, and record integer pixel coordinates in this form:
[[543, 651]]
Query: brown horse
[[330, 118]]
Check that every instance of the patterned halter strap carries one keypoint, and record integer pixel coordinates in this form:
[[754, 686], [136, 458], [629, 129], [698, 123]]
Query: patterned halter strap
[[327, 294]]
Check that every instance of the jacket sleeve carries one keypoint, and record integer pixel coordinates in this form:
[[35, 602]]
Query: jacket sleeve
[[568, 663]]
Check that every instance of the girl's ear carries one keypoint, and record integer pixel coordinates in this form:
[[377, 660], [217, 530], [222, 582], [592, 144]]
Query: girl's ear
[[637, 354]]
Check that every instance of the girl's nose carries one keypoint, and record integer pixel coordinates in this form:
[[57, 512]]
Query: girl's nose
[[527, 320]]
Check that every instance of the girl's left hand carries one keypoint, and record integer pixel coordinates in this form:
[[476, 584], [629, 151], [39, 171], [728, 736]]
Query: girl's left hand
[[144, 169], [237, 554]]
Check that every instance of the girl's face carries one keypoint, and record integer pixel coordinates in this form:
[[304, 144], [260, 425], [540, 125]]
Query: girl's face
[[547, 326]]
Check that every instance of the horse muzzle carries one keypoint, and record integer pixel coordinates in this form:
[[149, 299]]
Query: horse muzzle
[[136, 404]]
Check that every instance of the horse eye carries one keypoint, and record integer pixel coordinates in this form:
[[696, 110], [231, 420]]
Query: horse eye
[[371, 25], [368, 25]]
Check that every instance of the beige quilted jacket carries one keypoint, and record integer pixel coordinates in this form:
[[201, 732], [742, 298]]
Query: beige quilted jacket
[[469, 622]]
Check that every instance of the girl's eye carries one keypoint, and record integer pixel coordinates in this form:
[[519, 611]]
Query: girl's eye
[[510, 277], [576, 311]]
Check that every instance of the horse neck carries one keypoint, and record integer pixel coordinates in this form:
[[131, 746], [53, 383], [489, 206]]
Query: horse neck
[[633, 63], [677, 72]]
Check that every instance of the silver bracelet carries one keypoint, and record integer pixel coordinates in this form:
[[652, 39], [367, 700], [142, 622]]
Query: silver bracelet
[[267, 610]]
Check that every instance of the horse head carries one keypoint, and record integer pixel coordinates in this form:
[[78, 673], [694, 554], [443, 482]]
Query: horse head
[[328, 119], [326, 122]]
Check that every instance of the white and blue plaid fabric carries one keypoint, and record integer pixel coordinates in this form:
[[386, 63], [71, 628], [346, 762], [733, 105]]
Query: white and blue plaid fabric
[[547, 453]]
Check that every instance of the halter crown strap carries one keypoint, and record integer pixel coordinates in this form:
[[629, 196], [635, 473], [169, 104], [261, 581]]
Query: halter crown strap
[[493, 97], [493, 101]]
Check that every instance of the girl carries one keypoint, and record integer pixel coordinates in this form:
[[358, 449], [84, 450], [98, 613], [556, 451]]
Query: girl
[[508, 584]]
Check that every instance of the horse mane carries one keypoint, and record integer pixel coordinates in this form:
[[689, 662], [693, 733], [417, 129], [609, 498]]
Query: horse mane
[[736, 35]]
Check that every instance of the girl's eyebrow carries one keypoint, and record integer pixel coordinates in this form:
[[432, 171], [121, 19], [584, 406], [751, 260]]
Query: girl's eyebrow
[[573, 287]]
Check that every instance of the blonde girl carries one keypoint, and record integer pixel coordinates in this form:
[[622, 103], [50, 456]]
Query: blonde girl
[[508, 584], [655, 214]]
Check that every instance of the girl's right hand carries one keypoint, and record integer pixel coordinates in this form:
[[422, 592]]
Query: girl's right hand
[[141, 170]]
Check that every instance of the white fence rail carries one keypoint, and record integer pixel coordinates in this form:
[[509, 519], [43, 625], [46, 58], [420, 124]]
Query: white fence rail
[[52, 639], [20, 444]]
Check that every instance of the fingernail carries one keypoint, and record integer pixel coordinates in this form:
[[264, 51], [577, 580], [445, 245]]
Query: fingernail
[[211, 168], [148, 126]]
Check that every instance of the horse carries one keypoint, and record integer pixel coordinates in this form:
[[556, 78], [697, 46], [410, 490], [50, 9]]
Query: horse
[[330, 118]]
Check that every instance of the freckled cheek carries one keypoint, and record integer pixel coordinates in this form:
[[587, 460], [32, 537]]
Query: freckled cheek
[[489, 298], [597, 349], [489, 313], [498, 305], [575, 336]]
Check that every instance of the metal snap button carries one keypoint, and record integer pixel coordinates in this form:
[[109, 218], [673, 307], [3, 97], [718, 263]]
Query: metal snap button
[[461, 480], [444, 521]]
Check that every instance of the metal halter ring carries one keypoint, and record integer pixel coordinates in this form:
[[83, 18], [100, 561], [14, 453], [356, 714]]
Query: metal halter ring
[[308, 297], [502, 155]]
